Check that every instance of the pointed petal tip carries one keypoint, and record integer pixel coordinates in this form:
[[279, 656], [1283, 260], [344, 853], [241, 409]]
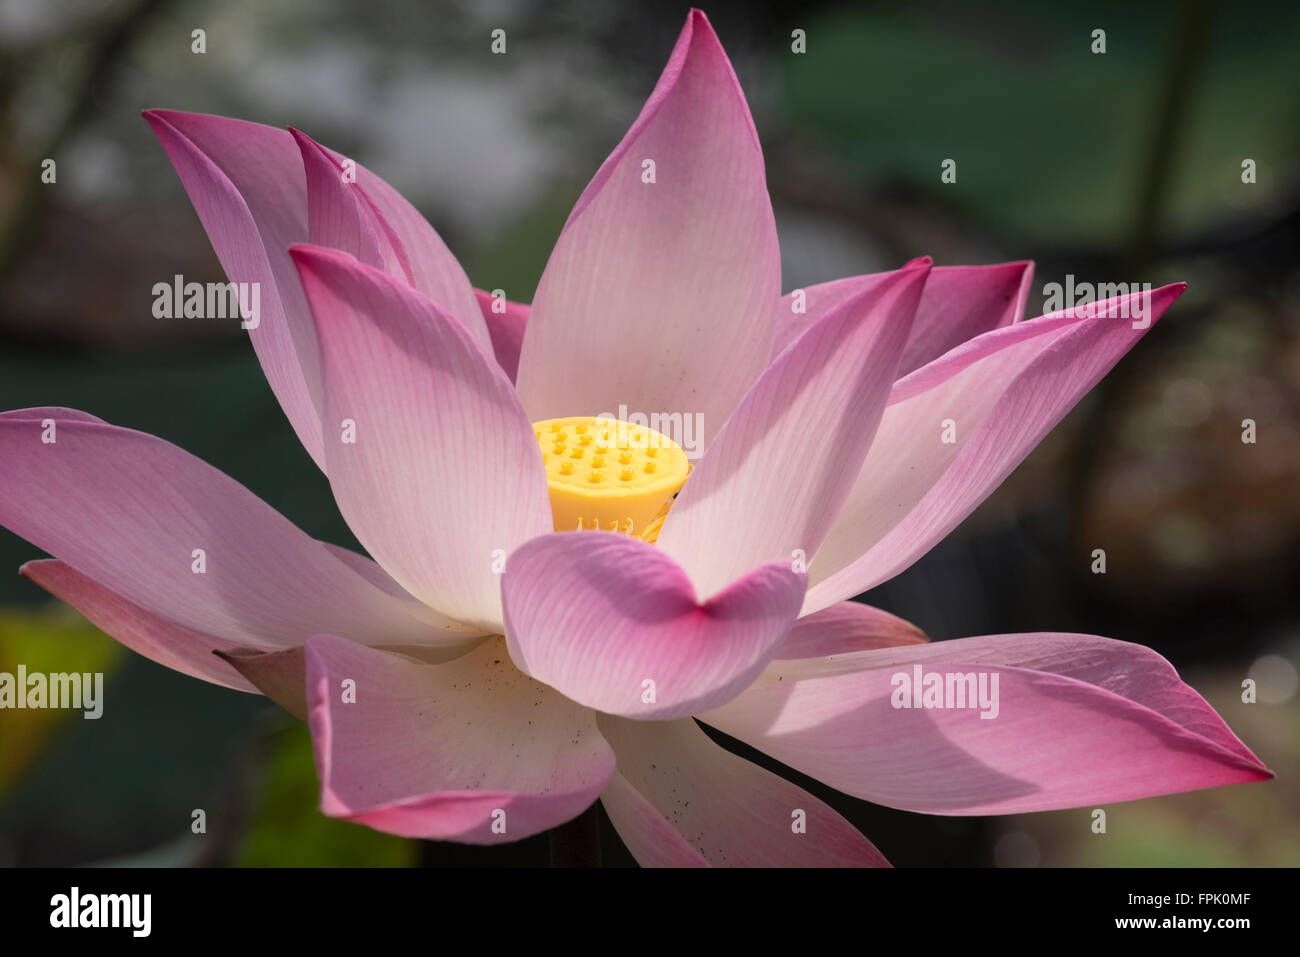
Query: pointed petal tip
[[697, 22], [697, 19], [1017, 266], [913, 274], [1259, 770], [310, 256], [1164, 297], [31, 569], [324, 262], [304, 141], [158, 121], [160, 118], [1254, 770], [310, 150], [914, 633]]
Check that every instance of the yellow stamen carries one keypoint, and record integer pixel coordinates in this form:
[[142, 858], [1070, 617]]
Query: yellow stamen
[[652, 468]]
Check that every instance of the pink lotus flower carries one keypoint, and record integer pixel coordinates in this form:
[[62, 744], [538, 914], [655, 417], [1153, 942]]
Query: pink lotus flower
[[486, 678]]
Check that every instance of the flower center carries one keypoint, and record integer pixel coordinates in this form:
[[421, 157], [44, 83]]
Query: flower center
[[610, 475]]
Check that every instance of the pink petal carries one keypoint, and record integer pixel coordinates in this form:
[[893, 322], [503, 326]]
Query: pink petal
[[679, 800], [962, 302], [339, 215], [959, 303], [770, 485], [368, 569], [444, 478], [505, 322], [1080, 721], [180, 649], [818, 300], [598, 615], [127, 510], [646, 833], [661, 296], [56, 412], [282, 675], [1003, 391], [373, 222], [847, 626], [248, 185], [444, 751]]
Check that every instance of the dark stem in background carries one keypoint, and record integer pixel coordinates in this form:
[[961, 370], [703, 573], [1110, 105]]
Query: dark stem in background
[[105, 60], [1192, 31], [577, 844]]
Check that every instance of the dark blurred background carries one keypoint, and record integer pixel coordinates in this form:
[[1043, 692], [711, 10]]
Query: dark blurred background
[[1123, 166]]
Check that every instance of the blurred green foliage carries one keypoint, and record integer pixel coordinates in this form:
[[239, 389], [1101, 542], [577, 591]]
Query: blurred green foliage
[[47, 640], [894, 90], [285, 834]]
